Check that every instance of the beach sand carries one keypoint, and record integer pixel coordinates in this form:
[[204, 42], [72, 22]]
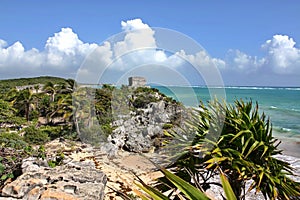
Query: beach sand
[[290, 147]]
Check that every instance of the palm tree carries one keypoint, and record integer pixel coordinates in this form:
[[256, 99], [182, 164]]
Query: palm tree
[[24, 101], [36, 87], [62, 107], [51, 89], [28, 99], [67, 87]]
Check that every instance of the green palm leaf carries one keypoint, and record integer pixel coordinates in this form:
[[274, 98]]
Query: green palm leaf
[[189, 190]]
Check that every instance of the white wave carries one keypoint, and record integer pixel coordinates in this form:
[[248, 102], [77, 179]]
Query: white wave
[[295, 110], [261, 88], [233, 87], [286, 129], [292, 88]]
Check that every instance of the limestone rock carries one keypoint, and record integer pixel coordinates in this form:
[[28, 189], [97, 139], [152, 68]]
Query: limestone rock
[[75, 180], [138, 131]]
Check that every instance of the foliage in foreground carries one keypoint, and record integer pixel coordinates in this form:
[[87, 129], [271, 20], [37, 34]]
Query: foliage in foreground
[[244, 151], [187, 190]]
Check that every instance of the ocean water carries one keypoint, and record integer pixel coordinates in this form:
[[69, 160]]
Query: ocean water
[[282, 105]]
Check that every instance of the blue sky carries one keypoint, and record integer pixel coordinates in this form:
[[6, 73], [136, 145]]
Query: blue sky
[[252, 43]]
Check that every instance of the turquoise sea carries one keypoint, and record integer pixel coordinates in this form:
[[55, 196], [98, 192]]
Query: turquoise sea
[[281, 104]]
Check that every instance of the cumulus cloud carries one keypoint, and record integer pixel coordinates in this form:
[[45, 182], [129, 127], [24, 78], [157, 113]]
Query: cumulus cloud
[[242, 62], [135, 24], [65, 49], [63, 53], [137, 36], [282, 55], [14, 59]]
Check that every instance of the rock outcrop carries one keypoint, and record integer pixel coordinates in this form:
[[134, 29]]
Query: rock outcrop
[[141, 130], [74, 179]]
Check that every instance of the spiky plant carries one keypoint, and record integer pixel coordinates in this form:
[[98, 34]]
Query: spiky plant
[[183, 189], [244, 150]]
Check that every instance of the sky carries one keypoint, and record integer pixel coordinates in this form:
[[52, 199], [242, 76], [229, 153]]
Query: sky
[[245, 43]]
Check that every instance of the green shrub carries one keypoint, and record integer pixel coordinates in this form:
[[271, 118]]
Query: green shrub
[[142, 100], [13, 140], [35, 136], [52, 131]]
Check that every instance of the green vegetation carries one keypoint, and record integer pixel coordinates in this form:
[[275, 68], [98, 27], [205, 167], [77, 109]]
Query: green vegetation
[[168, 126], [6, 85], [244, 151], [35, 136], [184, 190], [38, 111], [13, 140], [141, 100], [58, 160]]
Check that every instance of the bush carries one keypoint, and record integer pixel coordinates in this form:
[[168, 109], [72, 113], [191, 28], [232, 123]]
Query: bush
[[52, 131], [35, 136], [142, 100], [13, 140]]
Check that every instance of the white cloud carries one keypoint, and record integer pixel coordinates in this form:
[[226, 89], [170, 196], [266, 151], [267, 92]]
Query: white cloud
[[135, 24], [3, 43], [137, 36], [219, 63], [201, 58], [13, 57], [282, 55], [63, 53], [240, 61], [67, 42], [65, 49], [95, 64]]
